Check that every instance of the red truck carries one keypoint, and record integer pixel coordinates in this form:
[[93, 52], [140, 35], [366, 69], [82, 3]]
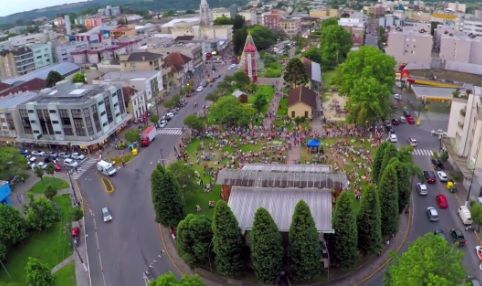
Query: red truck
[[148, 135]]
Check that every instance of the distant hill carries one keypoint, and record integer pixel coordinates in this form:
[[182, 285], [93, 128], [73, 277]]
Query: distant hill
[[139, 5]]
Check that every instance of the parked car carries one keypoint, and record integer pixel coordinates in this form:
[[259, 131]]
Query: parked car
[[438, 132], [441, 201], [437, 164], [53, 155], [24, 152], [162, 124], [32, 159], [64, 155], [442, 176], [405, 113], [430, 177], [32, 166], [440, 232], [410, 119], [457, 237], [38, 153], [199, 88], [403, 119], [393, 138], [106, 214], [395, 122], [77, 156], [432, 214], [232, 66], [42, 165], [57, 167], [71, 163], [412, 141], [397, 96], [170, 115], [421, 189]]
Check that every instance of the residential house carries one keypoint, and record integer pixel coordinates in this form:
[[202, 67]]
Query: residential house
[[179, 67], [302, 102], [141, 61], [313, 70]]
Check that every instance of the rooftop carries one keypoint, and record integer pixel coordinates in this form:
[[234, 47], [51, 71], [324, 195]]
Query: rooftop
[[67, 92], [64, 69], [302, 94], [131, 75], [11, 101], [433, 92], [176, 21], [143, 56]]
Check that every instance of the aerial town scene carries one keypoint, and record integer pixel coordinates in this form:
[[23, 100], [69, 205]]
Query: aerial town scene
[[238, 142]]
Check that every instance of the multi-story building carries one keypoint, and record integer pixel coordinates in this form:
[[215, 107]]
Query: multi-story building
[[18, 61], [167, 46], [410, 46], [290, 25], [62, 52], [456, 7], [9, 119], [272, 19], [356, 27], [141, 61], [461, 53], [148, 81], [72, 114], [471, 25], [93, 21], [22, 40], [324, 13], [42, 54], [220, 12], [249, 16], [465, 137], [105, 52]]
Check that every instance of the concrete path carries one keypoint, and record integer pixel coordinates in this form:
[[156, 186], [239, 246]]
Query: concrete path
[[62, 264]]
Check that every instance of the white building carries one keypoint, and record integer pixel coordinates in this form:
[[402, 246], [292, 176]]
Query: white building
[[42, 54], [62, 52], [472, 25]]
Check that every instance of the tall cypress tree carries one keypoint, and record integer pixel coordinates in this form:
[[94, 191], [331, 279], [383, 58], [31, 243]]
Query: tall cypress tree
[[403, 186], [166, 197], [193, 238], [266, 247], [344, 241], [369, 222], [389, 153], [228, 241], [304, 251], [377, 161], [388, 193]]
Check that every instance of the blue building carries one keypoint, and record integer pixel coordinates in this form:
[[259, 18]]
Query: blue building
[[5, 192]]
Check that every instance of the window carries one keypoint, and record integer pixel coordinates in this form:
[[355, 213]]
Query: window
[[31, 111], [100, 103], [58, 132], [102, 113], [117, 114], [36, 131], [88, 121], [108, 110], [293, 114], [306, 114], [55, 122], [104, 124], [116, 104], [66, 123], [33, 121], [95, 115], [52, 111], [27, 127]]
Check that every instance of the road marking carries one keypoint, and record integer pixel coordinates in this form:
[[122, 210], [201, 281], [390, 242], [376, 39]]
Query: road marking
[[422, 152], [170, 131]]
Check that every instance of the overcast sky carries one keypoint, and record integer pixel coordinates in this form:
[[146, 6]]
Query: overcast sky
[[8, 7]]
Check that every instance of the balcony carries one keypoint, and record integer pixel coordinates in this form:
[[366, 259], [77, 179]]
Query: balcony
[[463, 111]]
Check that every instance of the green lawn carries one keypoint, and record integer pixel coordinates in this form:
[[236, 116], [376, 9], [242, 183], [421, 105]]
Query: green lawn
[[56, 183], [50, 246], [267, 91], [272, 70], [66, 276], [201, 198], [328, 78]]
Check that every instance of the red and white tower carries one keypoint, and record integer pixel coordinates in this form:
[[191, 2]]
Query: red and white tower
[[250, 59]]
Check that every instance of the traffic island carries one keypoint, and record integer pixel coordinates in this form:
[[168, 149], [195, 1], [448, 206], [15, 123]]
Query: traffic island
[[107, 184]]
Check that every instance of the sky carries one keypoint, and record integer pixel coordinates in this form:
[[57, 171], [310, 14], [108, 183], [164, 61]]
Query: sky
[[8, 7]]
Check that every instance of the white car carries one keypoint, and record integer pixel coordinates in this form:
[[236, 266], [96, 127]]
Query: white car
[[32, 159], [33, 166], [199, 88], [106, 214], [38, 153], [393, 138], [42, 165], [442, 176], [77, 156], [397, 96], [162, 123], [422, 189], [170, 115], [439, 132], [432, 214], [412, 141], [232, 66], [71, 163], [403, 119]]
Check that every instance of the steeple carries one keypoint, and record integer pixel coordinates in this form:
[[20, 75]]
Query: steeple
[[204, 14]]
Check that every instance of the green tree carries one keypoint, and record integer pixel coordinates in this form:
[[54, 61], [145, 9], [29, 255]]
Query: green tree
[[429, 260], [329, 22], [78, 78], [53, 77], [377, 161], [39, 172], [76, 214], [173, 101], [388, 194], [166, 197], [239, 38], [389, 153], [50, 192], [367, 62], [12, 163], [335, 44], [304, 251], [295, 73], [404, 185], [168, 13], [369, 222], [3, 252], [228, 242], [344, 241], [41, 214], [223, 20], [184, 175], [229, 111], [369, 102], [260, 102], [266, 247], [194, 122], [168, 279], [263, 37], [313, 54], [476, 213], [12, 226], [132, 135], [154, 118], [238, 22], [38, 273], [194, 236], [50, 169]]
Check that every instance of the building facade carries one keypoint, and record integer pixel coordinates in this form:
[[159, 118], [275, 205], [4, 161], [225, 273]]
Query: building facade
[[42, 54], [141, 61], [18, 61], [410, 46]]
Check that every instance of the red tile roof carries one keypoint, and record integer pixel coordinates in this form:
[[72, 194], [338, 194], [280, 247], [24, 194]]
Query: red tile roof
[[302, 94], [176, 61], [31, 85]]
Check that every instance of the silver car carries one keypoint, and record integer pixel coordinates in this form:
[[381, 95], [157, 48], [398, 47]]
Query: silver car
[[106, 214]]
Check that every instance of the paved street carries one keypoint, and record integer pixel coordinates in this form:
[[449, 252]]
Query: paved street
[[448, 217], [120, 252]]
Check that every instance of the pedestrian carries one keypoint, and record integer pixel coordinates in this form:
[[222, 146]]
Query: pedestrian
[[123, 164]]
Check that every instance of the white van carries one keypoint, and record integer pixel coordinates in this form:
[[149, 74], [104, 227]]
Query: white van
[[106, 168], [464, 214]]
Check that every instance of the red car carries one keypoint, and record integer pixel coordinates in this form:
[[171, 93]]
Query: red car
[[410, 120], [442, 201], [57, 167]]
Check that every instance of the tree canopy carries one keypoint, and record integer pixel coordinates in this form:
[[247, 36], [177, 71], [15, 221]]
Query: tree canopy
[[295, 73], [266, 247], [53, 77], [38, 273], [168, 279], [166, 197], [429, 260], [228, 242], [304, 250], [41, 214], [12, 226], [369, 222], [223, 20], [132, 135], [344, 241], [194, 122], [229, 111], [12, 163], [194, 236], [313, 54], [335, 44], [184, 174], [263, 38], [388, 193], [78, 77]]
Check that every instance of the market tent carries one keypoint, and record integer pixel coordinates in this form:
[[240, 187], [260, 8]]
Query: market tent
[[313, 143]]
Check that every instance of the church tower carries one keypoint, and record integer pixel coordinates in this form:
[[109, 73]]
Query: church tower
[[204, 14]]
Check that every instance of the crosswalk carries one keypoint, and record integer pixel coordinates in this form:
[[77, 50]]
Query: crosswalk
[[422, 152], [86, 165], [170, 131]]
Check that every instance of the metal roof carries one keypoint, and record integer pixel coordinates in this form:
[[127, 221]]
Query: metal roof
[[12, 100], [288, 168], [280, 203], [432, 92], [64, 69]]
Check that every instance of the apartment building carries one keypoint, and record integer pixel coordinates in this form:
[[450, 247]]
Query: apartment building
[[324, 13], [141, 61], [17, 61], [410, 46], [290, 25], [272, 19], [149, 81], [9, 119], [472, 25], [62, 52], [461, 48], [42, 54], [465, 137], [72, 114]]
